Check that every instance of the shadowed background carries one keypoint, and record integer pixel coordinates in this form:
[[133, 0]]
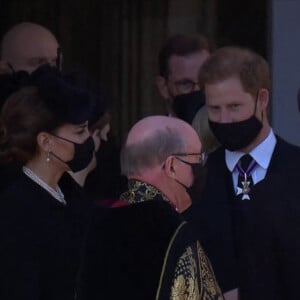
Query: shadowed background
[[116, 43]]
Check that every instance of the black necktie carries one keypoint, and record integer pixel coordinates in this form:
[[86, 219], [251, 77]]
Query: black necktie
[[245, 167]]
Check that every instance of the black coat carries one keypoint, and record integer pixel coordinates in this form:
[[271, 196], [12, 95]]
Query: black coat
[[40, 242], [132, 252], [253, 246], [125, 251]]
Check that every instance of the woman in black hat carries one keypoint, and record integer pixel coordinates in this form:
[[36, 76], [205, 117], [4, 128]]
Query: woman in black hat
[[44, 127]]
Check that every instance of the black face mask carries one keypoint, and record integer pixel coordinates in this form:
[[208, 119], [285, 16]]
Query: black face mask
[[83, 154], [199, 174], [186, 106], [237, 135]]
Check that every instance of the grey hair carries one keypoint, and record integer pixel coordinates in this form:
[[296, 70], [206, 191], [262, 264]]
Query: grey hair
[[151, 151]]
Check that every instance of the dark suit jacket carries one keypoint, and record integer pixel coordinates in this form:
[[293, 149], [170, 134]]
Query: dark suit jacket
[[252, 244]]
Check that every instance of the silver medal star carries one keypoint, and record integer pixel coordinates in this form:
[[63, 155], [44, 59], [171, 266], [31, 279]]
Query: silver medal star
[[245, 190]]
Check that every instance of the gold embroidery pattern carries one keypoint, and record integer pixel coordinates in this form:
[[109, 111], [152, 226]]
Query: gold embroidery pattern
[[185, 284], [139, 191], [194, 278], [209, 287]]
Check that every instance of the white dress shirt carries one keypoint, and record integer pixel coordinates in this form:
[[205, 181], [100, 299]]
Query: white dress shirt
[[262, 154]]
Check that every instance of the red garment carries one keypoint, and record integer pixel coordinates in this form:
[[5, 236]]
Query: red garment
[[119, 203]]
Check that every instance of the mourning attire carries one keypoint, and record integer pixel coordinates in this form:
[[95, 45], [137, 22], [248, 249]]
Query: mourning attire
[[144, 251], [249, 234], [41, 240]]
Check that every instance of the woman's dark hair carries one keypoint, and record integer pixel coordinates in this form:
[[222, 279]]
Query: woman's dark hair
[[44, 106], [23, 116]]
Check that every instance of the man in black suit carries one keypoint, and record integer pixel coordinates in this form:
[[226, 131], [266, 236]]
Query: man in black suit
[[246, 225], [180, 60]]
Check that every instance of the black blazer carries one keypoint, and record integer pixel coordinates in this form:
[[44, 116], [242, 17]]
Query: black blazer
[[253, 246]]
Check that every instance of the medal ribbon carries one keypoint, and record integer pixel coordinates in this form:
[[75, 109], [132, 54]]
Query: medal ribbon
[[245, 174], [249, 171]]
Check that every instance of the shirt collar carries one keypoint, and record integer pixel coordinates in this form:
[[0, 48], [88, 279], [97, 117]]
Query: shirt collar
[[262, 153]]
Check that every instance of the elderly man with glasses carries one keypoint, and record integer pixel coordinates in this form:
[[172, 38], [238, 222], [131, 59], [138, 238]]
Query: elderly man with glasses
[[144, 250]]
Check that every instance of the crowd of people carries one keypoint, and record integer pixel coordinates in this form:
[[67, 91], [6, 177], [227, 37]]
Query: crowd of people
[[198, 204]]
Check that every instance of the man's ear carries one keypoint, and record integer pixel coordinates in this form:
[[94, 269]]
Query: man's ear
[[263, 99], [162, 87], [43, 140], [170, 167]]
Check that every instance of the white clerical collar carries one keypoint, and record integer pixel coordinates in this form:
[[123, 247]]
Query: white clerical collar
[[262, 153]]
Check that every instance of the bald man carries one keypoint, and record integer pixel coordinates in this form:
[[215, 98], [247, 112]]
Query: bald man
[[144, 250], [26, 46]]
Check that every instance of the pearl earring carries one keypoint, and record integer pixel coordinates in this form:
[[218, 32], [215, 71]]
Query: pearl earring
[[48, 156]]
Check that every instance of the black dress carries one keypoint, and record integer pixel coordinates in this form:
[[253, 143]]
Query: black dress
[[40, 242]]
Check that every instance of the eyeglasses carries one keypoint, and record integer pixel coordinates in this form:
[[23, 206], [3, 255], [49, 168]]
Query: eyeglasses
[[202, 157], [185, 86]]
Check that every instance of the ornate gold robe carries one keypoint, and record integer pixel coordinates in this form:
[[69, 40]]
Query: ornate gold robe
[[148, 251]]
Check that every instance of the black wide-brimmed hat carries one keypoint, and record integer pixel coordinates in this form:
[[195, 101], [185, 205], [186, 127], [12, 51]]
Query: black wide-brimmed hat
[[68, 102], [64, 97]]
